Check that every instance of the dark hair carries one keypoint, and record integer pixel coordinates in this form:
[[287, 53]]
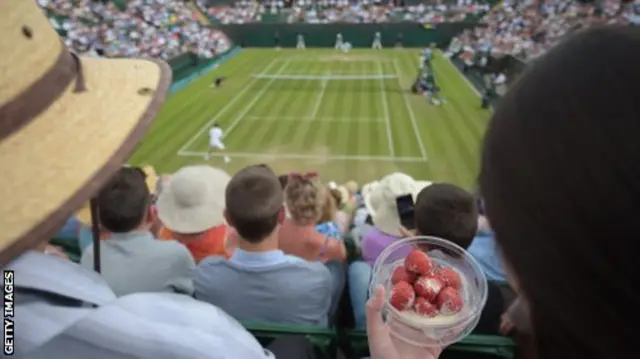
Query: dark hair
[[123, 202], [284, 179], [560, 170], [446, 211], [254, 201]]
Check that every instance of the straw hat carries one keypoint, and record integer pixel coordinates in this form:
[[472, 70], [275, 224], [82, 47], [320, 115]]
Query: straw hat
[[66, 123], [193, 200], [380, 199], [84, 215]]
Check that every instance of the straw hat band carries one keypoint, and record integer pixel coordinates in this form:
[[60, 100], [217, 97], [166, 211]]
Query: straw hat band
[[41, 94]]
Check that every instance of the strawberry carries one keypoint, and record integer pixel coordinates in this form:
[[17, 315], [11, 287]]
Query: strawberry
[[450, 278], [424, 307], [428, 287], [418, 262], [449, 301], [400, 274], [402, 296]]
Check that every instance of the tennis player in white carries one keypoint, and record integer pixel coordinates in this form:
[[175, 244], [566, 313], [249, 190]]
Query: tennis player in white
[[215, 142]]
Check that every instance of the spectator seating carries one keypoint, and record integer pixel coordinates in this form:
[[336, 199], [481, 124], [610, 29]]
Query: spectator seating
[[322, 12], [472, 347]]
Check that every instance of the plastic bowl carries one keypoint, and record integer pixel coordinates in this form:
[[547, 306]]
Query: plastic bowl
[[441, 330]]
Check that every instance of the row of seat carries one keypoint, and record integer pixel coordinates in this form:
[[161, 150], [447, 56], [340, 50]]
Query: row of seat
[[352, 342]]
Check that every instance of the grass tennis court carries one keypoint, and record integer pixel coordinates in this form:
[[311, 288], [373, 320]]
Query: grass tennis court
[[347, 116]]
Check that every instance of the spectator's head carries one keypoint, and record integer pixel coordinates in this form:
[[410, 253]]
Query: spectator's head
[[193, 200], [380, 200], [560, 169], [124, 203], [284, 179], [329, 201], [304, 199], [448, 212], [254, 202], [352, 187]]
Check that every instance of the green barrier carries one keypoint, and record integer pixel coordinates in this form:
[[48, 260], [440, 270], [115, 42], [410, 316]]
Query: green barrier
[[471, 347], [324, 340], [359, 35]]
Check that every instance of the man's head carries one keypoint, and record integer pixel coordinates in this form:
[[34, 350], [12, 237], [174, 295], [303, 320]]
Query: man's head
[[448, 212], [215, 125], [254, 201], [124, 202]]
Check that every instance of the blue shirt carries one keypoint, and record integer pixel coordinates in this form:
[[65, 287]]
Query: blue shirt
[[329, 229], [484, 250], [267, 287], [69, 230]]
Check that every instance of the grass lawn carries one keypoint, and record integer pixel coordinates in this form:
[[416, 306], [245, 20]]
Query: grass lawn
[[346, 116]]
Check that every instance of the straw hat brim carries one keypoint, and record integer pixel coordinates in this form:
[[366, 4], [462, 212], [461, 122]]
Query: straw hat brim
[[58, 160]]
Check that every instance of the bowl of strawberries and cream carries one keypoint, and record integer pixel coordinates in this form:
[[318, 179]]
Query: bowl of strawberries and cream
[[434, 294]]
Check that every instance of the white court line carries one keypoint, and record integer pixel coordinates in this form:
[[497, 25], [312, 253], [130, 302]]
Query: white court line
[[253, 102], [412, 116], [316, 107], [385, 108], [309, 118], [463, 76], [208, 125], [302, 156]]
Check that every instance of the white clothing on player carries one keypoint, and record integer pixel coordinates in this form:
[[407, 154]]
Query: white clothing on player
[[377, 42], [215, 138], [339, 43], [346, 47], [300, 44]]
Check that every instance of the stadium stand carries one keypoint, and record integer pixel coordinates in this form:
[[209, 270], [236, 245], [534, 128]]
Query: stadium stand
[[326, 226]]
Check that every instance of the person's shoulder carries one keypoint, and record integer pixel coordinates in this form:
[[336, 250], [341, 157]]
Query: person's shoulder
[[305, 268], [213, 261], [171, 248], [195, 327]]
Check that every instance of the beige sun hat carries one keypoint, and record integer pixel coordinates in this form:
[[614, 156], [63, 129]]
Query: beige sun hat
[[66, 123], [193, 200], [380, 199], [151, 178]]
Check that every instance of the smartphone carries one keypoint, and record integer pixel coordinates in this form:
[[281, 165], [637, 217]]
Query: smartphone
[[404, 205]]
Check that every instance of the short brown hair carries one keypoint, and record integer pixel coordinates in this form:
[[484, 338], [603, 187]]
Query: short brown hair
[[448, 212], [254, 201], [124, 201]]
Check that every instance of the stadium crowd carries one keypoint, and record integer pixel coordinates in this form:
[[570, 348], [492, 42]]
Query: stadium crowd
[[185, 256], [154, 28], [527, 29], [323, 12]]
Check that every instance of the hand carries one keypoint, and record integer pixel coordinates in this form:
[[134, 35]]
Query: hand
[[56, 251], [405, 233], [383, 345], [506, 324]]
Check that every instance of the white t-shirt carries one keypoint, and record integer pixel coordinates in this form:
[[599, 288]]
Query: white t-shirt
[[215, 134]]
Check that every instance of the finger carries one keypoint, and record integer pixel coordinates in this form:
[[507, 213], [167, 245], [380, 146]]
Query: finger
[[405, 232], [374, 311]]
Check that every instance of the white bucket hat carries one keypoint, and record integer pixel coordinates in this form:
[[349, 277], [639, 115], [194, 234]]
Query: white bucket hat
[[193, 199], [380, 199]]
